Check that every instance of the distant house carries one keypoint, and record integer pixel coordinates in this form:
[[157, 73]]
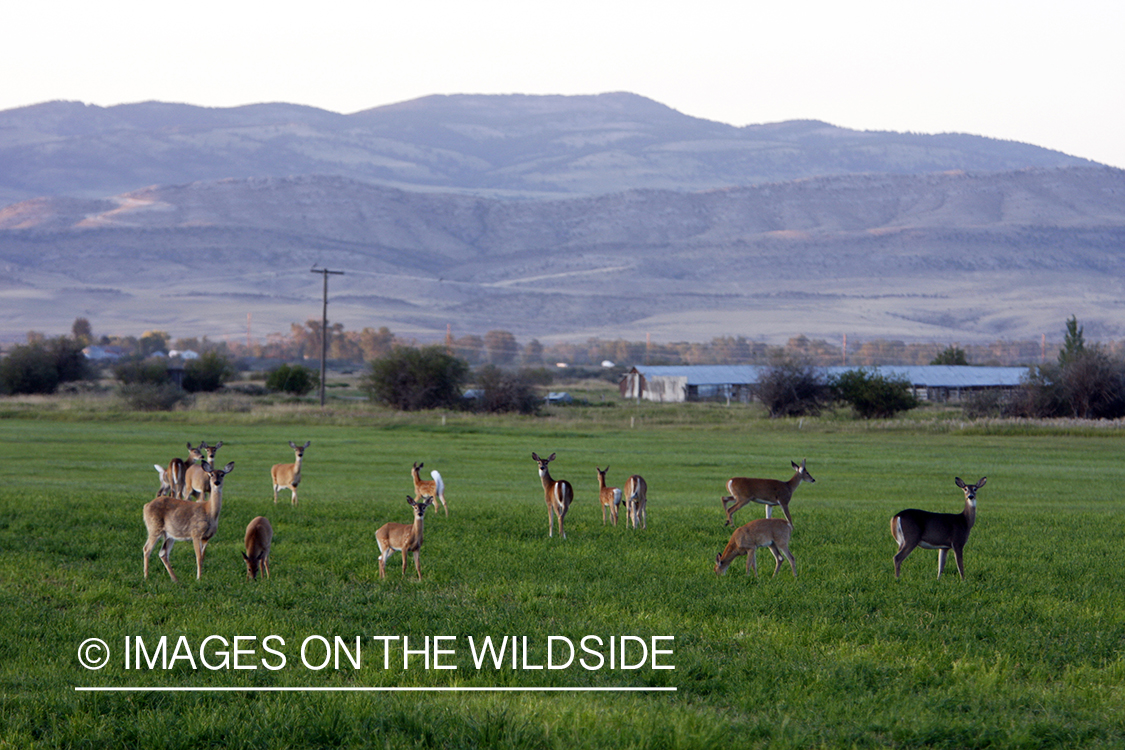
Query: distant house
[[736, 382], [103, 353]]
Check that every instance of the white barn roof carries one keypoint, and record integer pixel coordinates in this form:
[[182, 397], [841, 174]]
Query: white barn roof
[[927, 376]]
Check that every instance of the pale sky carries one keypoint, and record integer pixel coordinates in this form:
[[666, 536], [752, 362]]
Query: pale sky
[[1047, 73]]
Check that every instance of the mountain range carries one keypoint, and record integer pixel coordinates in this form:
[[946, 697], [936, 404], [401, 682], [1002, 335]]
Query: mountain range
[[548, 216]]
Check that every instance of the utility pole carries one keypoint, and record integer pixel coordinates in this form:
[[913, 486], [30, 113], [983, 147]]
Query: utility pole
[[324, 327]]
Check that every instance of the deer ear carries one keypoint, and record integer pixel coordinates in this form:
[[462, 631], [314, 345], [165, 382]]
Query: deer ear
[[244, 557], [535, 455], [552, 458], [959, 482], [228, 468], [981, 482]]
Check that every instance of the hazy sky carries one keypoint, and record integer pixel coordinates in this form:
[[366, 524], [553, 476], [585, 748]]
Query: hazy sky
[[1047, 73]]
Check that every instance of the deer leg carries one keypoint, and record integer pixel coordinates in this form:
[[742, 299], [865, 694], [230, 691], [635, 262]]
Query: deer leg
[[165, 555], [957, 552], [200, 550], [417, 562], [904, 551], [941, 554], [777, 558], [752, 559]]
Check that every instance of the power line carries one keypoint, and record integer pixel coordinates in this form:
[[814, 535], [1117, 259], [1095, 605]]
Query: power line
[[324, 327]]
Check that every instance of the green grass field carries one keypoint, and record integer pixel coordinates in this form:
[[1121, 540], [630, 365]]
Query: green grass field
[[1027, 652]]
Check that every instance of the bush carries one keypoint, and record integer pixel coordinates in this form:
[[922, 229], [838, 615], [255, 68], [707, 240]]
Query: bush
[[792, 389], [40, 367], [1086, 384], [506, 392], [142, 372], [411, 379], [152, 396], [208, 373], [296, 379], [872, 394]]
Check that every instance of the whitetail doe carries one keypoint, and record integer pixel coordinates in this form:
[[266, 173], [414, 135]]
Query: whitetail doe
[[558, 495], [610, 497], [768, 492], [941, 531], [405, 537], [636, 501], [259, 536], [434, 488], [176, 519], [288, 476], [771, 533], [196, 478], [165, 486]]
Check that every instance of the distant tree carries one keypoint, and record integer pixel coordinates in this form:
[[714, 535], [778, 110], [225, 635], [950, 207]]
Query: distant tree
[[506, 391], [40, 367], [469, 348], [152, 342], [500, 347], [791, 388], [411, 379], [208, 373], [135, 371], [532, 353], [1074, 344], [951, 355], [82, 332], [295, 379], [872, 394]]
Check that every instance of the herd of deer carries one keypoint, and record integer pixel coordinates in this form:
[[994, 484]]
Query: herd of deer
[[174, 516]]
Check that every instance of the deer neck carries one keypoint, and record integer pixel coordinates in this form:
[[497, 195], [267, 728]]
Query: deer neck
[[416, 531], [970, 513], [547, 481], [214, 502]]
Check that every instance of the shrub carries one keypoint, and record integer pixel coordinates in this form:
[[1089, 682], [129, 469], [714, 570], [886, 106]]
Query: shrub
[[41, 366], [142, 372], [1086, 384], [791, 389], [872, 394], [505, 392], [295, 379], [410, 379], [207, 373], [152, 396]]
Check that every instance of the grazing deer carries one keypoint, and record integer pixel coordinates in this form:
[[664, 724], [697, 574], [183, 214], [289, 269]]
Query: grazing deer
[[768, 492], [433, 488], [636, 500], [405, 537], [941, 531], [610, 497], [259, 535], [772, 533], [288, 476], [558, 495], [196, 478], [176, 520]]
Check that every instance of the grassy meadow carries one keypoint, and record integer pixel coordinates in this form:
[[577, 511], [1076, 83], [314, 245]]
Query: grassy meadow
[[1027, 652]]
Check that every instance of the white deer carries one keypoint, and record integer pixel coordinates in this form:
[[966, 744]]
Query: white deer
[[288, 476], [176, 519], [941, 531]]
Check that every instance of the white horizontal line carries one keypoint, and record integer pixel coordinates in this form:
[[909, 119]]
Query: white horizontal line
[[374, 689]]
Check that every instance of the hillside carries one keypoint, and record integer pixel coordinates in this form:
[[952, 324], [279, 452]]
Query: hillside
[[502, 146], [957, 257]]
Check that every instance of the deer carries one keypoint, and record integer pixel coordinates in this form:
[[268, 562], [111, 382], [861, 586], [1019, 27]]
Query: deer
[[434, 488], [771, 533], [941, 531], [259, 535], [610, 497], [176, 519], [768, 492], [405, 537], [636, 500], [288, 476], [165, 486], [196, 478], [558, 495]]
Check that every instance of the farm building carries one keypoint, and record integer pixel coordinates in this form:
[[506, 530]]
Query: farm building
[[736, 382]]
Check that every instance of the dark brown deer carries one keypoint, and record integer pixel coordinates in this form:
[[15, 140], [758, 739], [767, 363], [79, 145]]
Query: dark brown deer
[[941, 531]]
